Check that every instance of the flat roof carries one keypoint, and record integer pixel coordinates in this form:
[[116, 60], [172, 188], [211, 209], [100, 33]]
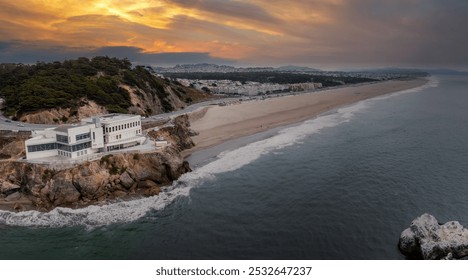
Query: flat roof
[[64, 128]]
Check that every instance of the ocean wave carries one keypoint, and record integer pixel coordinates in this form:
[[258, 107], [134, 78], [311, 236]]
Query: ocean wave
[[92, 216], [129, 211], [432, 82]]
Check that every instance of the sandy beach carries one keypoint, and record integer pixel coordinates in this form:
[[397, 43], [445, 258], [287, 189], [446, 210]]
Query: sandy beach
[[216, 124]]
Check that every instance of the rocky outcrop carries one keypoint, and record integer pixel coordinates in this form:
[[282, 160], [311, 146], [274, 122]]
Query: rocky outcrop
[[107, 179], [86, 109], [429, 240], [26, 186], [12, 145], [178, 134]]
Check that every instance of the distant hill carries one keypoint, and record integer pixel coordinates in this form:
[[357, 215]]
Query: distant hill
[[199, 67], [394, 70], [447, 72], [67, 91], [294, 68], [210, 68]]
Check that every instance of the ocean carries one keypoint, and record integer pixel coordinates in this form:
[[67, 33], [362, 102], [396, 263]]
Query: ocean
[[341, 186]]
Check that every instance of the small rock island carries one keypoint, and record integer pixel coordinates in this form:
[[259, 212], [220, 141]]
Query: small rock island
[[427, 239]]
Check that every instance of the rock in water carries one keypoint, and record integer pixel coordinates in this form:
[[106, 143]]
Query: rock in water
[[429, 240]]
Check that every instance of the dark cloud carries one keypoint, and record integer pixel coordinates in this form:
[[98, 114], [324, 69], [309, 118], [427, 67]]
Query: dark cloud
[[21, 52], [375, 33], [137, 56], [182, 58]]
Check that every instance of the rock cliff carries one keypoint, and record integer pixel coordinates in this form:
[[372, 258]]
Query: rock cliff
[[115, 176], [429, 240]]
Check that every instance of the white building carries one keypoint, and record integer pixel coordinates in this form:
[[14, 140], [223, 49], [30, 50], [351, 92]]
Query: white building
[[94, 135]]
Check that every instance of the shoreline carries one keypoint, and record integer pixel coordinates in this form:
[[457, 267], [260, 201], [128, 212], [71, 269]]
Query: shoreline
[[216, 125]]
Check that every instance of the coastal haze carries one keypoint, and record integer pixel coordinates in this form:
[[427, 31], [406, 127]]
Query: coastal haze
[[320, 129]]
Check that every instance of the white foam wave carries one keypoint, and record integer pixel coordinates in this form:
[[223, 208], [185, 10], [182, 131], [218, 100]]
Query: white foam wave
[[92, 216], [128, 211], [432, 82]]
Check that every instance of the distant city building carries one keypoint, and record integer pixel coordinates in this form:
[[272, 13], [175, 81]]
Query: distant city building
[[247, 88], [94, 135]]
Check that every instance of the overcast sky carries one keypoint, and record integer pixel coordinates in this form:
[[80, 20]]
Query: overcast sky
[[316, 33]]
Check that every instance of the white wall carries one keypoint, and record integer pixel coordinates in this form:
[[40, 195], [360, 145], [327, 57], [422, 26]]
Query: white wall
[[97, 137]]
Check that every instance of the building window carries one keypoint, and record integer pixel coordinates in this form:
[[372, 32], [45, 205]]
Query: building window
[[74, 148], [63, 147], [61, 138], [42, 147], [82, 146], [83, 136], [94, 135]]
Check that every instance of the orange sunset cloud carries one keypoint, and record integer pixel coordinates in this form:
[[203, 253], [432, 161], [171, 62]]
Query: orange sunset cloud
[[258, 31]]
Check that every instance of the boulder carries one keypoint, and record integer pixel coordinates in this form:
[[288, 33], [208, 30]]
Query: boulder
[[13, 197], [126, 180], [155, 190], [63, 192], [90, 185], [427, 239], [11, 178], [8, 188], [147, 184]]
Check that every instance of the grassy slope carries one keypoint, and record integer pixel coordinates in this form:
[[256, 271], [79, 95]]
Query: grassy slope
[[43, 86]]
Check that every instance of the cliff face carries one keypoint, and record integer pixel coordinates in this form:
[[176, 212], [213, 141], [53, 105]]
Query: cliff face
[[65, 115], [118, 176]]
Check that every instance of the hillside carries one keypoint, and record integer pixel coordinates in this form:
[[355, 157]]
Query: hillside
[[61, 92]]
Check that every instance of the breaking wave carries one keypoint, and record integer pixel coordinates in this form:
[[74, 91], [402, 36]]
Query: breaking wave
[[129, 211]]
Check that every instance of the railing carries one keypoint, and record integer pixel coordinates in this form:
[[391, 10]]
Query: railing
[[15, 133]]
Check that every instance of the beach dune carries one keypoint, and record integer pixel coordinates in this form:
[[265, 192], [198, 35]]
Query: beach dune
[[216, 124]]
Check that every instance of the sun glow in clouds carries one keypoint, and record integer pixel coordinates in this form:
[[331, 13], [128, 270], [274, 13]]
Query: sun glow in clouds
[[255, 31]]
